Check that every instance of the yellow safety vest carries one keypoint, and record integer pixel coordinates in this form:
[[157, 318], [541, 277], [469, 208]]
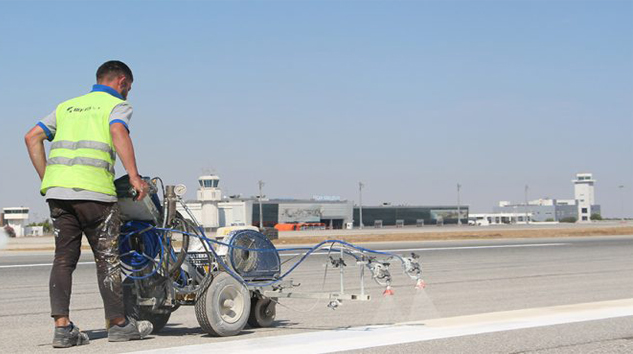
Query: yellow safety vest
[[82, 154]]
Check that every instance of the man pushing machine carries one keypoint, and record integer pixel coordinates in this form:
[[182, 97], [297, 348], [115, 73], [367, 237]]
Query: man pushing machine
[[87, 132]]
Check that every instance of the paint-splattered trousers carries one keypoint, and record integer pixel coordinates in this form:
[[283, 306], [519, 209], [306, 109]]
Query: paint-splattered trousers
[[100, 222]]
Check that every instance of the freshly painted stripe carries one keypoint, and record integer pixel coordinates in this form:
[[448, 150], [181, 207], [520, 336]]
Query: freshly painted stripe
[[36, 265], [449, 248], [378, 336], [323, 253], [482, 247]]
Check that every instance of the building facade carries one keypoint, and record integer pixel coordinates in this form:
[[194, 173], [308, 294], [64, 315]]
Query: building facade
[[333, 214], [389, 215], [487, 219], [584, 195], [213, 211], [581, 208]]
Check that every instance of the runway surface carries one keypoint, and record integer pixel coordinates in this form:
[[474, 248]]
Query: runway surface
[[554, 295]]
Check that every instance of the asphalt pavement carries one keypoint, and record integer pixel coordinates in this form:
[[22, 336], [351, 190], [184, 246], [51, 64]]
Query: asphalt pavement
[[463, 278]]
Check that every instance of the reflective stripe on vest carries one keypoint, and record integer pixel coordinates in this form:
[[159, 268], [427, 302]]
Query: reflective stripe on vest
[[83, 144], [86, 161]]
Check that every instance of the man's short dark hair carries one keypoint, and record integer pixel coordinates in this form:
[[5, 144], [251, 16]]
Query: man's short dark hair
[[113, 68]]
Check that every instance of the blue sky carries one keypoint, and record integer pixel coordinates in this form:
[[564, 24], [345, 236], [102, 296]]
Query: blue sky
[[411, 97]]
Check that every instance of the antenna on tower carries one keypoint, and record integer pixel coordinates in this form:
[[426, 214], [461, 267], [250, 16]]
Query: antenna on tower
[[208, 171]]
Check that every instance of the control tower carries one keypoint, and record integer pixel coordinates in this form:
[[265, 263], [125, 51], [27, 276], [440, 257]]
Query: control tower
[[209, 195], [584, 195]]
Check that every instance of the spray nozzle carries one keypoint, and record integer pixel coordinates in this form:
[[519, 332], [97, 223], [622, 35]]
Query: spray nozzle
[[336, 263], [412, 266], [380, 273], [334, 304]]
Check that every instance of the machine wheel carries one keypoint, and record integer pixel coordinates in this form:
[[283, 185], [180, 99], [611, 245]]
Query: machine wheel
[[223, 309], [143, 313], [263, 311]]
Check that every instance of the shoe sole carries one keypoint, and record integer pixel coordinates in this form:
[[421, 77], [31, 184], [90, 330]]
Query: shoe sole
[[125, 338], [80, 341], [122, 339]]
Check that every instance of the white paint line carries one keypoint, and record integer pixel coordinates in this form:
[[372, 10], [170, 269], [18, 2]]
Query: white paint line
[[324, 253], [36, 265], [448, 248], [377, 336], [483, 247]]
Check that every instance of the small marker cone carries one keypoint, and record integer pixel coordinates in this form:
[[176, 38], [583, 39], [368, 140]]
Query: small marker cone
[[420, 284], [388, 291]]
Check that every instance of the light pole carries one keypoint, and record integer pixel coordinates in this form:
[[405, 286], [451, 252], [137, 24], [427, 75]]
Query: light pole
[[360, 204], [261, 214], [621, 188], [526, 204], [459, 214]]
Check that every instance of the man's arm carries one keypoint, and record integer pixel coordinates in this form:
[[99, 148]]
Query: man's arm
[[125, 150], [34, 140]]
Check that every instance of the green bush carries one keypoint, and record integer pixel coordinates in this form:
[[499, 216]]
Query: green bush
[[549, 220], [596, 216], [47, 226], [569, 219]]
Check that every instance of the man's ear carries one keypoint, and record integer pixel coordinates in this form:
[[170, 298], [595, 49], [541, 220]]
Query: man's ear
[[121, 81]]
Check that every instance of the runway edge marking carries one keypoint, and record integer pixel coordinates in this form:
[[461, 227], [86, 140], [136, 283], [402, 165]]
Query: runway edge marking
[[323, 253], [378, 336]]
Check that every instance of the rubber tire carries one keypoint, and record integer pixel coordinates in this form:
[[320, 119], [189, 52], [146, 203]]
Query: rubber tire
[[207, 307], [158, 320], [263, 312]]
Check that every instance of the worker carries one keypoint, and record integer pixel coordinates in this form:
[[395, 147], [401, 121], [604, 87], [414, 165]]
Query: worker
[[78, 184]]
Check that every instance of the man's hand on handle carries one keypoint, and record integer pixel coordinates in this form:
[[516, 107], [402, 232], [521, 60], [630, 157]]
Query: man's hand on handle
[[140, 186]]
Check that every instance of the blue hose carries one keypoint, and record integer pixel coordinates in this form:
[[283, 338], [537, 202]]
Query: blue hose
[[152, 242], [134, 261], [310, 250]]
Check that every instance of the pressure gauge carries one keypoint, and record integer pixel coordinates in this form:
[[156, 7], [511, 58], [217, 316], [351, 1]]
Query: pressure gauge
[[180, 190]]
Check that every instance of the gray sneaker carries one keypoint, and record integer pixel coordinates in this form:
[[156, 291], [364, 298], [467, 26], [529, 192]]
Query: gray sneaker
[[66, 337], [133, 330]]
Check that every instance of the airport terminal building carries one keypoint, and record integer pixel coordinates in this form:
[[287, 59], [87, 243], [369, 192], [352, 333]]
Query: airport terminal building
[[334, 214], [214, 211], [404, 215]]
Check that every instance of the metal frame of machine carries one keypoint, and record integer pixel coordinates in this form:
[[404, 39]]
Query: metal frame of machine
[[169, 262]]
